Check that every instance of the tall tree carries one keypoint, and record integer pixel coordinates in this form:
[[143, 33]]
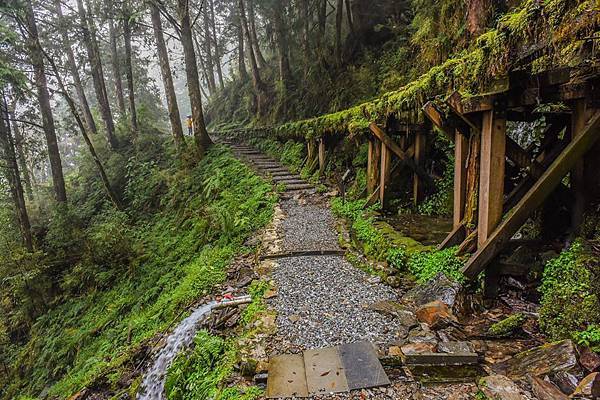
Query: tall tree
[[282, 44], [259, 86], [209, 67], [215, 40], [22, 161], [242, 71], [254, 36], [72, 66], [201, 138], [339, 13], [13, 176], [114, 59], [127, 14], [167, 78], [43, 96], [89, 37]]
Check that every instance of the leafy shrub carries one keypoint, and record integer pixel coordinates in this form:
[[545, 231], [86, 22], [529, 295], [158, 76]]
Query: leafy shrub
[[589, 337], [569, 303], [426, 265], [397, 258]]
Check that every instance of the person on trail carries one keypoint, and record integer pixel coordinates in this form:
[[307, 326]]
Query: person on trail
[[190, 124]]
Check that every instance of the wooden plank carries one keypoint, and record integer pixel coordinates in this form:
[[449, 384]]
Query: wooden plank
[[578, 181], [534, 197], [322, 156], [461, 152], [287, 377], [454, 238], [419, 157], [324, 371], [438, 120], [362, 366], [491, 176], [384, 179], [385, 139], [373, 159]]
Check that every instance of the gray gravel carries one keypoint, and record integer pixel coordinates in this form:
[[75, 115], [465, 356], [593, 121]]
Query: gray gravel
[[322, 302], [307, 227]]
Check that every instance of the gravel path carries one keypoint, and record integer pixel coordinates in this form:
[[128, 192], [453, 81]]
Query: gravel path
[[307, 227]]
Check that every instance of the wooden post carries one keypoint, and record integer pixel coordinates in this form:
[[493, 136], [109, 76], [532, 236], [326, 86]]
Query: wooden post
[[461, 152], [419, 155], [386, 158], [374, 157], [578, 173], [321, 156], [491, 177]]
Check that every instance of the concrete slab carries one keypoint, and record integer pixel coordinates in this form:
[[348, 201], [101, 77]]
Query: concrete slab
[[287, 377], [362, 366], [324, 371]]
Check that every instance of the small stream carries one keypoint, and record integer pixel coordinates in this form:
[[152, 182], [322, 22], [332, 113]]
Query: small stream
[[153, 385]]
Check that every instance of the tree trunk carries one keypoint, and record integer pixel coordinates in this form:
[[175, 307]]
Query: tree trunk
[[167, 78], [255, 44], [256, 80], [129, 72], [339, 12], [243, 72], [72, 66], [209, 70], [216, 44], [349, 16], [112, 195], [201, 138], [89, 37], [43, 96], [282, 46], [305, 34], [22, 163], [114, 58], [14, 178]]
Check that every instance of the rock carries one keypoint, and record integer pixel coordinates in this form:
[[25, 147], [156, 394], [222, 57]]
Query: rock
[[419, 335], [248, 368], [395, 351], [589, 359], [584, 389], [261, 379], [508, 325], [374, 279], [388, 307], [417, 348], [393, 281], [545, 390], [436, 314], [456, 347], [566, 381], [499, 387], [261, 367], [545, 359], [439, 288]]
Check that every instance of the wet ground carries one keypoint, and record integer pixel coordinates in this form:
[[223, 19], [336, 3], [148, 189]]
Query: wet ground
[[426, 229]]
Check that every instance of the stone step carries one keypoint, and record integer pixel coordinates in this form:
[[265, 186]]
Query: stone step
[[285, 173], [287, 177], [274, 170], [266, 165], [302, 186], [289, 182]]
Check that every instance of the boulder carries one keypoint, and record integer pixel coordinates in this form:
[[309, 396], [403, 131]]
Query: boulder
[[393, 309], [508, 325], [439, 288], [545, 390], [566, 381], [500, 387], [587, 385], [456, 347], [420, 335], [417, 348], [589, 359], [542, 360], [436, 314]]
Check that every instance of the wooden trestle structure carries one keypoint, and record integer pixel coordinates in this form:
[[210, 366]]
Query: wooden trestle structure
[[498, 184]]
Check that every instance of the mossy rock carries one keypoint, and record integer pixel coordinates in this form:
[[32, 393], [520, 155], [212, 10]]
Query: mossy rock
[[508, 325], [396, 239]]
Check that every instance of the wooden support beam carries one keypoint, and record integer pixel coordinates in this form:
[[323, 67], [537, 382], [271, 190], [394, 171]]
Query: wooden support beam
[[387, 141], [322, 156], [491, 176], [578, 173], [454, 238], [551, 178], [438, 120], [374, 157], [461, 153], [386, 158], [418, 191]]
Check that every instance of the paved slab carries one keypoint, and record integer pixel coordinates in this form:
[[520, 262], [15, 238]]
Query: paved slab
[[362, 366], [324, 371], [287, 377]]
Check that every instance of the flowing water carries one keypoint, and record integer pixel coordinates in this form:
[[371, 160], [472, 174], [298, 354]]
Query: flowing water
[[153, 386]]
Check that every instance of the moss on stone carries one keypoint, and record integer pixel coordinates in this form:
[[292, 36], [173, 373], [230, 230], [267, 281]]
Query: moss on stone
[[508, 325]]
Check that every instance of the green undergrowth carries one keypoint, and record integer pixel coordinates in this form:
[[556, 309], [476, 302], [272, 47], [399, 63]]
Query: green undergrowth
[[420, 261], [290, 153], [178, 253], [203, 371], [508, 325], [570, 306]]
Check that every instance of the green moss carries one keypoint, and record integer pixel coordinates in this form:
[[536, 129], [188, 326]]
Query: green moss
[[508, 325], [426, 265]]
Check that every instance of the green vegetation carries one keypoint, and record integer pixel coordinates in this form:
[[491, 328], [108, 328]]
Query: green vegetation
[[138, 276], [508, 325], [589, 337], [289, 153], [570, 302], [427, 265]]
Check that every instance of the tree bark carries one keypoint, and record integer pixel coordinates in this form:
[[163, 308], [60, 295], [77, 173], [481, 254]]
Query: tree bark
[[209, 70], [201, 138], [43, 96], [89, 37], [129, 72], [72, 66], [22, 162], [243, 72], [349, 16], [305, 34], [167, 78], [255, 43], [282, 46], [14, 178], [339, 12], [257, 82], [114, 58], [216, 44]]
